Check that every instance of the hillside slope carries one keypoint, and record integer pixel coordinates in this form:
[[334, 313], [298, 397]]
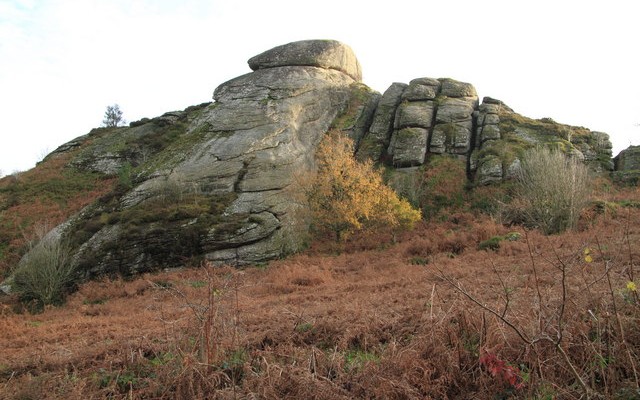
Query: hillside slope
[[377, 320], [218, 181]]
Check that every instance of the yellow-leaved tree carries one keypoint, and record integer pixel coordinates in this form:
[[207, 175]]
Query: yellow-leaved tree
[[346, 195]]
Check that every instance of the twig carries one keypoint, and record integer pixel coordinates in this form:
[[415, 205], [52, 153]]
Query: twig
[[523, 336], [627, 236], [433, 290], [562, 267], [13, 373], [623, 340], [582, 383], [505, 289], [535, 277], [459, 288]]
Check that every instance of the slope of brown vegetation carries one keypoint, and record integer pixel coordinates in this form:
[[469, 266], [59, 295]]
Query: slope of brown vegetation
[[364, 319], [35, 201]]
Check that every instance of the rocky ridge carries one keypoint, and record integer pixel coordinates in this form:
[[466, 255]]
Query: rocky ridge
[[218, 180], [430, 117]]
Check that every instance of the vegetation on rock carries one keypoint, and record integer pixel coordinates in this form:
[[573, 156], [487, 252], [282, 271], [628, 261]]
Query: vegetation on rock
[[436, 188], [346, 195], [44, 196], [552, 189]]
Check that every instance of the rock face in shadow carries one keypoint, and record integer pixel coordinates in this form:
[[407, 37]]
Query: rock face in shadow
[[627, 164], [219, 180]]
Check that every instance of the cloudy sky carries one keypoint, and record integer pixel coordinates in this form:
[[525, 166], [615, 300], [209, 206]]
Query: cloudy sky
[[63, 61]]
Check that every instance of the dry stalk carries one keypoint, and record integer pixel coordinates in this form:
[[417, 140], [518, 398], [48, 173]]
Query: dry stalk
[[623, 340], [208, 350], [541, 336], [433, 290], [488, 309], [535, 277]]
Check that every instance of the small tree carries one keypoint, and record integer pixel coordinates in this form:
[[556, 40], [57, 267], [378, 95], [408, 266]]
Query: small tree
[[113, 116], [45, 274], [553, 189], [346, 195]]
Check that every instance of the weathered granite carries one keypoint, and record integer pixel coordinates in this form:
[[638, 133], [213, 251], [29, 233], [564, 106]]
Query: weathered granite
[[327, 54]]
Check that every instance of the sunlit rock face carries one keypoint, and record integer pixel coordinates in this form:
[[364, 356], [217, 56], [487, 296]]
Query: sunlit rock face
[[325, 54], [217, 180]]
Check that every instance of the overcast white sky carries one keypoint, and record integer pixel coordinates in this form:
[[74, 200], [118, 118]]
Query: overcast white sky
[[63, 61]]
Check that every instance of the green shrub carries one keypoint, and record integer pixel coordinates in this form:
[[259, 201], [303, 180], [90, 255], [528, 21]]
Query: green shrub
[[490, 244], [45, 274], [356, 359], [512, 236], [494, 242], [125, 181], [552, 188], [417, 260]]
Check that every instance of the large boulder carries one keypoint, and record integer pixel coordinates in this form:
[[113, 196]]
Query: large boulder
[[627, 166], [327, 54], [415, 114], [628, 159], [222, 186], [422, 89], [457, 103], [452, 88], [444, 109]]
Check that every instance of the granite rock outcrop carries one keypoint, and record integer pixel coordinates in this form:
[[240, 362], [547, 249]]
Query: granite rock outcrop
[[217, 180]]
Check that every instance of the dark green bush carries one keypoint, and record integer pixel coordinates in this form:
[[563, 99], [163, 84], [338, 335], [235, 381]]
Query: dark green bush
[[490, 244], [494, 242]]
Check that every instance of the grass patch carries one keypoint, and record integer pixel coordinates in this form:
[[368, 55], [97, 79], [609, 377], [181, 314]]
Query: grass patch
[[418, 260], [304, 327], [98, 301], [494, 242], [356, 360]]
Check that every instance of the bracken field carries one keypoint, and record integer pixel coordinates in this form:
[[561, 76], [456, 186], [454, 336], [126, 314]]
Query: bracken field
[[462, 307]]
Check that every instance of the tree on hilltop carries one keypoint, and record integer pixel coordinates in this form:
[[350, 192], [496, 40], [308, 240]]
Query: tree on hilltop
[[113, 117]]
